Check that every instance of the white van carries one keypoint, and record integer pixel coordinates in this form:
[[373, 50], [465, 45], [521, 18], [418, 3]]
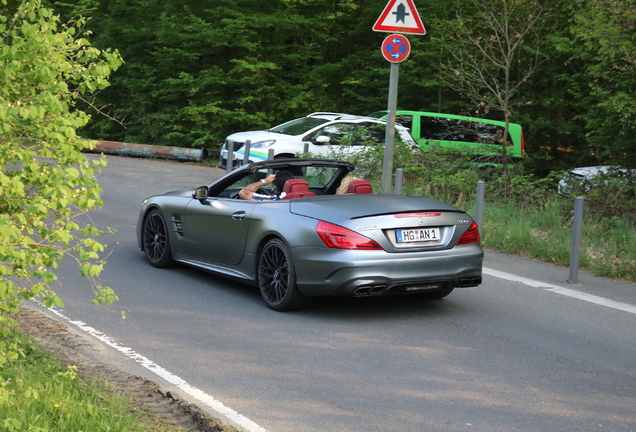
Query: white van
[[323, 133]]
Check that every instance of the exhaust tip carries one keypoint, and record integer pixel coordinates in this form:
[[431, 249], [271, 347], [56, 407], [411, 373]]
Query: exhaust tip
[[469, 282]]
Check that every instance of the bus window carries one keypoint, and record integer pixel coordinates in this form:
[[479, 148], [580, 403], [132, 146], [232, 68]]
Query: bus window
[[459, 131]]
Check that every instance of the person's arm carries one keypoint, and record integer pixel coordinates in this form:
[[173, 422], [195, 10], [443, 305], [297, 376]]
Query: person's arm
[[248, 191]]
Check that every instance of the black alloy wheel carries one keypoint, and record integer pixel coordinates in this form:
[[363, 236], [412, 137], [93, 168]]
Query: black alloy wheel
[[156, 240], [277, 278]]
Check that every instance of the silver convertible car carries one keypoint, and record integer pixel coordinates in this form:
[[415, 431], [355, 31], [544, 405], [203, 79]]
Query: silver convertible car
[[314, 241]]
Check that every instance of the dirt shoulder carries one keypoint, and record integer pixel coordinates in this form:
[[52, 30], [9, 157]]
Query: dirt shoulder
[[146, 395]]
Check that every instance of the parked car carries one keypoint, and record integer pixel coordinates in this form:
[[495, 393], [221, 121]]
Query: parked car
[[582, 179], [323, 244], [461, 132], [320, 133]]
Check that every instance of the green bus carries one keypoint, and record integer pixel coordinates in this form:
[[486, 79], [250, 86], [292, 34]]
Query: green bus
[[454, 131]]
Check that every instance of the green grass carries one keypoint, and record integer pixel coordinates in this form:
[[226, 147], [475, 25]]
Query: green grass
[[608, 246], [537, 232], [38, 394]]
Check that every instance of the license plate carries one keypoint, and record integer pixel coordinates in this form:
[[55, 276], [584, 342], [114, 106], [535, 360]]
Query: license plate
[[417, 235]]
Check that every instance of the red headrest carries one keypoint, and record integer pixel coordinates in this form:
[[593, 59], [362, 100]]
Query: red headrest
[[296, 188], [295, 185], [360, 187]]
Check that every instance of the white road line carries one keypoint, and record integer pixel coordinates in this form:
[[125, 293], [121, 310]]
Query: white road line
[[232, 416], [248, 425], [625, 307]]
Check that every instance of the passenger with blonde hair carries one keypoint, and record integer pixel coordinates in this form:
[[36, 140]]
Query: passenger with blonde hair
[[344, 185]]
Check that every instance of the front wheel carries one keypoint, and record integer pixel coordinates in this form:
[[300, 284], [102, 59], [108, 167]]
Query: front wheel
[[156, 240], [277, 278]]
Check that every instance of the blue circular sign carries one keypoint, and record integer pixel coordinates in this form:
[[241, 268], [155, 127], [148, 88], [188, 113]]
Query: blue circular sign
[[396, 48]]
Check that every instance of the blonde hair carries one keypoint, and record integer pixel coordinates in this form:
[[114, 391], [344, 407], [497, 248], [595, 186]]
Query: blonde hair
[[344, 185]]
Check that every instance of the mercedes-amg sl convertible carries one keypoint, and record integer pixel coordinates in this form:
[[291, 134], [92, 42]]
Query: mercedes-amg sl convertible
[[311, 240]]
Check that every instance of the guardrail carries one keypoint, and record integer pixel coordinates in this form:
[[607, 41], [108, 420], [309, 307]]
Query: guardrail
[[148, 150]]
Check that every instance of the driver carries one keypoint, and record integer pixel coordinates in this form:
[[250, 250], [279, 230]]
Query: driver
[[249, 192]]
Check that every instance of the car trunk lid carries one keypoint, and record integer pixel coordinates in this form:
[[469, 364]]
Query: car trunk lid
[[396, 222]]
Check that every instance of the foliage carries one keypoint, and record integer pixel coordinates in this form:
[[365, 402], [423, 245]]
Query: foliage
[[195, 73], [494, 51], [442, 173], [47, 184], [608, 195], [603, 39], [527, 190]]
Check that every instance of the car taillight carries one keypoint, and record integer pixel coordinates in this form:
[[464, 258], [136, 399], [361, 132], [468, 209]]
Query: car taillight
[[337, 237], [470, 236]]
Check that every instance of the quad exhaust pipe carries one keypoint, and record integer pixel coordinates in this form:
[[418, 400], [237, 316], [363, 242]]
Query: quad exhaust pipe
[[469, 282]]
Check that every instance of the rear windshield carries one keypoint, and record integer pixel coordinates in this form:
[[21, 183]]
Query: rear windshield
[[298, 126]]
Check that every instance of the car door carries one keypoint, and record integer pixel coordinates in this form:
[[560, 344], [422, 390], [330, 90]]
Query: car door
[[216, 230]]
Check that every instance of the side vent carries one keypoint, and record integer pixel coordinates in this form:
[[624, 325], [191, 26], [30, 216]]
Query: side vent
[[177, 225]]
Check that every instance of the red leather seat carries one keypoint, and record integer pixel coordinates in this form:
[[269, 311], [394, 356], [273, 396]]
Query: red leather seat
[[296, 188], [360, 187]]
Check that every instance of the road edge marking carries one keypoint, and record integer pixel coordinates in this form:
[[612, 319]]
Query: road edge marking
[[590, 298], [233, 417]]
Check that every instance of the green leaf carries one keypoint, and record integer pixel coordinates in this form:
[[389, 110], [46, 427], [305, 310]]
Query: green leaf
[[45, 180], [58, 302]]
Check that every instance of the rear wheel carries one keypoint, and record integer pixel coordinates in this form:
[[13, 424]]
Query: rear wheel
[[277, 278], [156, 240]]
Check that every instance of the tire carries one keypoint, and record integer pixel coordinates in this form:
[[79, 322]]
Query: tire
[[156, 240], [277, 278]]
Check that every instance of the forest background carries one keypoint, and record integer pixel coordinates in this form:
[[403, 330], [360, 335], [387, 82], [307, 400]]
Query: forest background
[[195, 72]]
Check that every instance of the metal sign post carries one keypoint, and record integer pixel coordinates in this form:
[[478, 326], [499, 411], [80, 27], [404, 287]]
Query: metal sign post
[[387, 163], [577, 229], [399, 16], [395, 49]]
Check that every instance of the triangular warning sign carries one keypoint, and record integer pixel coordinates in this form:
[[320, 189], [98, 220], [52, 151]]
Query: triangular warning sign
[[400, 16]]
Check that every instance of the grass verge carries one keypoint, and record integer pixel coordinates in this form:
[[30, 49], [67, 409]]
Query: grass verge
[[38, 394], [608, 246]]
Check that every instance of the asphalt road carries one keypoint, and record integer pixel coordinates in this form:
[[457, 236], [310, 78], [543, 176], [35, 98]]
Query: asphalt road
[[510, 355]]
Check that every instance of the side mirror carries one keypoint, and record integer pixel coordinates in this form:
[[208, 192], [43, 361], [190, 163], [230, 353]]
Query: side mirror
[[200, 193], [322, 139]]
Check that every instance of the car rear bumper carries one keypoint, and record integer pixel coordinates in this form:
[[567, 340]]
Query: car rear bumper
[[322, 271]]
